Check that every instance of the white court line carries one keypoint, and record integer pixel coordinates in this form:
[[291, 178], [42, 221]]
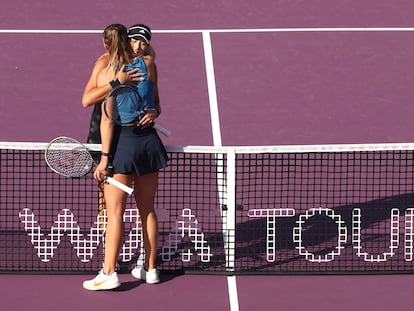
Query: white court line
[[297, 29], [211, 86], [47, 31], [233, 294], [215, 123], [241, 30]]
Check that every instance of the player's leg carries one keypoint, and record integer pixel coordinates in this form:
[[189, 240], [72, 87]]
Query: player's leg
[[145, 188], [115, 201]]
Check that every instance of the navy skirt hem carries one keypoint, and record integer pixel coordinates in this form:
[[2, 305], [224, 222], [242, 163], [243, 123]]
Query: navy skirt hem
[[136, 150]]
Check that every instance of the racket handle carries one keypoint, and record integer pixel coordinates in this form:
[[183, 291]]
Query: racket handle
[[162, 129], [119, 185]]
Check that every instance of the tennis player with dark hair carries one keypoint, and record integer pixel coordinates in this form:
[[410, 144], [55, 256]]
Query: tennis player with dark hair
[[135, 154]]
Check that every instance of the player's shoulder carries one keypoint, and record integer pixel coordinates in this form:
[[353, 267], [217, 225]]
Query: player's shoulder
[[101, 63], [149, 59], [150, 52], [103, 59]]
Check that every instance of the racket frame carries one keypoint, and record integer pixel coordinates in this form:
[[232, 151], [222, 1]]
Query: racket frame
[[76, 143], [156, 126]]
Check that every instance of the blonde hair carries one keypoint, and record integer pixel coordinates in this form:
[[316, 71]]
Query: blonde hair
[[116, 40]]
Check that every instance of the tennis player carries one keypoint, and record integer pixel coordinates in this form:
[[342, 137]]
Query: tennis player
[[136, 155], [94, 95]]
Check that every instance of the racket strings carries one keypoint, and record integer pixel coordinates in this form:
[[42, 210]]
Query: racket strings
[[123, 105], [69, 159]]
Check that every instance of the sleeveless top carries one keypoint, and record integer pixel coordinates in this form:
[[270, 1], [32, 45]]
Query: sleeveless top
[[146, 89]]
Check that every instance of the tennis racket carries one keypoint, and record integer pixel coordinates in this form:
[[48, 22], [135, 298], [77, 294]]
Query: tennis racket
[[70, 158], [124, 106]]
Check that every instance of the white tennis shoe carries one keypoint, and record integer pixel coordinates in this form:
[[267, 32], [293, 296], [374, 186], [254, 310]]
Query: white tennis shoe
[[103, 282], [150, 277]]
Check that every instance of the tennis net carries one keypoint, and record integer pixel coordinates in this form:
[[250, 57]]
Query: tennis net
[[271, 209]]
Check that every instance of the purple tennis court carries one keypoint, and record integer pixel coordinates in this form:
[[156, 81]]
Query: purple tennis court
[[267, 73]]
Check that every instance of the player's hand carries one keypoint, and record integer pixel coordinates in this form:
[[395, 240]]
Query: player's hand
[[148, 119], [100, 173], [132, 77]]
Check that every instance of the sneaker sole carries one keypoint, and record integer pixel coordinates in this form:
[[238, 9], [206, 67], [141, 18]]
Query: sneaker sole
[[104, 286], [152, 281]]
